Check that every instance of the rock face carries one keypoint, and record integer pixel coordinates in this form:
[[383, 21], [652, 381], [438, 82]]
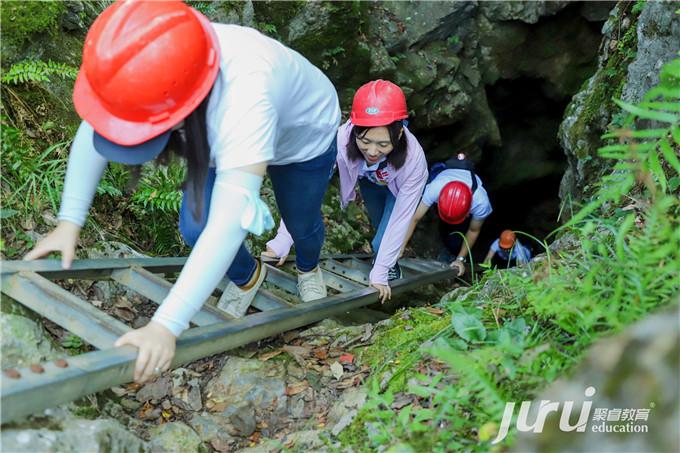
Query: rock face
[[636, 45], [490, 78], [658, 35], [24, 342], [635, 377], [68, 433]]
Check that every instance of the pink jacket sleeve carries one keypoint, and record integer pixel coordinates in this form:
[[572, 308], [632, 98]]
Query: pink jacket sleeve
[[283, 241], [409, 183]]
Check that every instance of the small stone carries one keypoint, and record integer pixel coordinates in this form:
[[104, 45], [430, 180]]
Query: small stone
[[36, 368], [61, 363], [12, 374]]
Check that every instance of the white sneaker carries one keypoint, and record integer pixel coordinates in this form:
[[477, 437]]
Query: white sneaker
[[311, 286], [235, 301]]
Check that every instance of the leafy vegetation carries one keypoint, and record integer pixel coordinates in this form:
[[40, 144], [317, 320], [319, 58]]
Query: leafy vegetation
[[21, 19], [509, 336], [73, 343], [32, 179], [38, 71], [156, 204], [207, 8]]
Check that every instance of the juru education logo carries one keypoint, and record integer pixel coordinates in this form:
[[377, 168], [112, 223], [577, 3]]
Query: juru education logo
[[599, 420]]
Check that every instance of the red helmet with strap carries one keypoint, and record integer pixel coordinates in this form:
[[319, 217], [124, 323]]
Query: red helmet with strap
[[455, 201], [146, 66], [378, 103], [507, 239]]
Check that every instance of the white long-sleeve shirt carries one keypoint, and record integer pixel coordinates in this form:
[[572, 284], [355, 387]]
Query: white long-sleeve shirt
[[268, 104]]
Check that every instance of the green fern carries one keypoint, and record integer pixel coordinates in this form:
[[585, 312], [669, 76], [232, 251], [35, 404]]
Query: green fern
[[38, 71], [205, 8], [156, 204]]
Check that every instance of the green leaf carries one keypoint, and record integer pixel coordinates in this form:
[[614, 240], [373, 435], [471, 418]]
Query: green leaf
[[673, 106], [669, 154], [650, 133], [648, 114], [6, 213], [663, 91], [468, 327], [672, 68], [673, 183]]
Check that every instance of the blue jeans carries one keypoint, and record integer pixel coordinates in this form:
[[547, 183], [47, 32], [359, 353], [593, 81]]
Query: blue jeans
[[299, 189], [379, 202]]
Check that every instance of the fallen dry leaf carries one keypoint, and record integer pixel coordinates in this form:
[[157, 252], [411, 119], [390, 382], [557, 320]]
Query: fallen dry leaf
[[119, 391], [321, 354], [123, 302], [124, 313], [217, 407], [299, 353], [296, 388], [337, 370], [269, 355], [349, 358], [255, 436]]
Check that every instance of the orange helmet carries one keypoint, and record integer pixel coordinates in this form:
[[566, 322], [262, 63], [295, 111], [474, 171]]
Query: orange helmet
[[507, 239], [455, 201], [146, 66], [378, 103]]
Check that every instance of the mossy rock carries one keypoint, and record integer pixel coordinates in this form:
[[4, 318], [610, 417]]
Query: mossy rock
[[592, 112], [22, 20]]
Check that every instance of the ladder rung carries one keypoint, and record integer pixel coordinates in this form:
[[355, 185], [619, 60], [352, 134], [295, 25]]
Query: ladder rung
[[359, 276], [156, 289]]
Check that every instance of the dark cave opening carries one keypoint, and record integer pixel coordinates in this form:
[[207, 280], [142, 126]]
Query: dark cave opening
[[521, 177]]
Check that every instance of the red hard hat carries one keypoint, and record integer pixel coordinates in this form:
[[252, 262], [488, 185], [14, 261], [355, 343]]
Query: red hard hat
[[507, 239], [378, 103], [455, 201], [146, 66]]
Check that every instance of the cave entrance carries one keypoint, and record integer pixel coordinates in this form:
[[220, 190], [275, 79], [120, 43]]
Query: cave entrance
[[522, 176]]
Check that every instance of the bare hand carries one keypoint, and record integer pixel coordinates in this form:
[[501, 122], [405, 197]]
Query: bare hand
[[63, 239], [458, 264], [269, 253], [156, 346], [384, 290]]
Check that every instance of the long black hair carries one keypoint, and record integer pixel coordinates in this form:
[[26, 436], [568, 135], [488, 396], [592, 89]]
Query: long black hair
[[396, 158], [191, 143]]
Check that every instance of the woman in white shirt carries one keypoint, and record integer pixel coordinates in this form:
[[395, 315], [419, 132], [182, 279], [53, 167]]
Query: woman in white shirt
[[234, 103]]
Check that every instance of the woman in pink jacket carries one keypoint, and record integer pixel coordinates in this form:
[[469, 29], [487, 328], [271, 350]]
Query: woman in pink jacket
[[376, 149]]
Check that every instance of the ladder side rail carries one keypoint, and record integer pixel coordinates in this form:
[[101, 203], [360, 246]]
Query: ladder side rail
[[430, 264], [91, 268], [62, 307], [100, 370]]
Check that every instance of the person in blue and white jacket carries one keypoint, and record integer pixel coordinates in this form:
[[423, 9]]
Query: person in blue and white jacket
[[507, 251]]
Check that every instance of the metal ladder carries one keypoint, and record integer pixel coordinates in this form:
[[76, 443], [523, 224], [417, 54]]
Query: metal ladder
[[31, 389]]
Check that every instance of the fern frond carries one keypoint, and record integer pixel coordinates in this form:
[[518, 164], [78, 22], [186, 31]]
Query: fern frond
[[38, 71]]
